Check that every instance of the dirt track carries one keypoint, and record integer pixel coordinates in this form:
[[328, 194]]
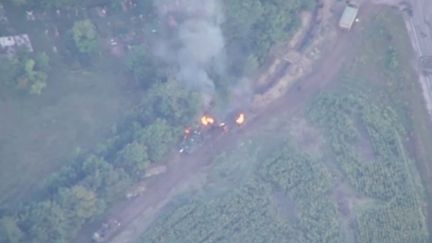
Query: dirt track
[[182, 169]]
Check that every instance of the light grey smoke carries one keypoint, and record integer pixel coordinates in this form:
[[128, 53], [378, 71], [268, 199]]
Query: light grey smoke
[[197, 42], [202, 41]]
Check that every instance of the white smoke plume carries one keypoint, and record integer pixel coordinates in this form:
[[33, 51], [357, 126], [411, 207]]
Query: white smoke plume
[[192, 41]]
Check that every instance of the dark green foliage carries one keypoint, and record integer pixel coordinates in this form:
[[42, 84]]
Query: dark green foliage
[[79, 204], [85, 36], [44, 222], [134, 158], [158, 138], [145, 67], [27, 72], [252, 27], [170, 102]]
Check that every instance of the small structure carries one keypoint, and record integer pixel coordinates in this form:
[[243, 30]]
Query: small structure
[[10, 44], [348, 18]]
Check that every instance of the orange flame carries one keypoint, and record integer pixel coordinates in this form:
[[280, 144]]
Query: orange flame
[[207, 120], [187, 132], [240, 119]]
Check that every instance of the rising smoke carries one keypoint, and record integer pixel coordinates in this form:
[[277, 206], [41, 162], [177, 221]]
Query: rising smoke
[[194, 40]]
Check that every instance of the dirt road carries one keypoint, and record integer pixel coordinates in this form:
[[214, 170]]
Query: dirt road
[[182, 169]]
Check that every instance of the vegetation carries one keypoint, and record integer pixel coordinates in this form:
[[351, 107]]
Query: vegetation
[[383, 175], [249, 213], [365, 125], [365, 142], [145, 67], [82, 190], [91, 182], [85, 36], [26, 72], [252, 27]]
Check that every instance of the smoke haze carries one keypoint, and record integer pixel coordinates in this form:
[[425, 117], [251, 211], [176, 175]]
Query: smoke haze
[[194, 40]]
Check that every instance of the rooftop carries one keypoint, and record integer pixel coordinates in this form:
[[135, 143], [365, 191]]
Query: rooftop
[[348, 17], [9, 44]]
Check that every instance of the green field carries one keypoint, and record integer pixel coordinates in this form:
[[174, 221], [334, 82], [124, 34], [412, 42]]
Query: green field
[[356, 179]]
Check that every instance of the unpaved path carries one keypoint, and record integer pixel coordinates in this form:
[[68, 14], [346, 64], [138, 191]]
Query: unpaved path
[[183, 169]]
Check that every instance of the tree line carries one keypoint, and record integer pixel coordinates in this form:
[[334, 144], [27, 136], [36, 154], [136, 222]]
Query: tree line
[[86, 187]]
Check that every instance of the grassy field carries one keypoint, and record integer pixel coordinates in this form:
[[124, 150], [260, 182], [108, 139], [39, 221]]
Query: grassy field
[[347, 171], [40, 134], [383, 70]]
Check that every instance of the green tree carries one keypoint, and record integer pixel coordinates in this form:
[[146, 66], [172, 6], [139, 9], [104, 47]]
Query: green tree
[[31, 78], [134, 158], [171, 102], [85, 36], [45, 222], [241, 16], [101, 177], [158, 137], [145, 67], [79, 204]]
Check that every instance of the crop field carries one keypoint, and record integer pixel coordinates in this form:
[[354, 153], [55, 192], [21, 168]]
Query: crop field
[[353, 178]]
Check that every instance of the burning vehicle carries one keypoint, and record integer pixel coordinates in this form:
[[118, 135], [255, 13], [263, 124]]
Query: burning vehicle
[[208, 128]]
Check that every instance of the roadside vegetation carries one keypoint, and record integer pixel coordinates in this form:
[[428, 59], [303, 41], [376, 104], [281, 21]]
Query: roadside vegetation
[[252, 27]]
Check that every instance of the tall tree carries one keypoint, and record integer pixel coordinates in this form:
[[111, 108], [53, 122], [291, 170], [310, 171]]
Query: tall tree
[[45, 222], [85, 36], [171, 102], [145, 67], [158, 138], [79, 204], [134, 158]]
